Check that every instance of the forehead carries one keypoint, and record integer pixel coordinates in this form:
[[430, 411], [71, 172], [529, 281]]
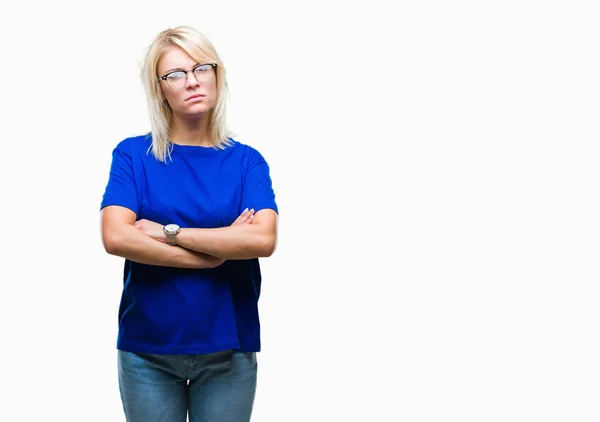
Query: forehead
[[174, 58]]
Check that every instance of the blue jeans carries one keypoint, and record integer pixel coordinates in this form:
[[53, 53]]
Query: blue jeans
[[164, 388]]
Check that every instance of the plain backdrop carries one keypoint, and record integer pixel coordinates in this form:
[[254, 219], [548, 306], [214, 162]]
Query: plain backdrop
[[436, 168]]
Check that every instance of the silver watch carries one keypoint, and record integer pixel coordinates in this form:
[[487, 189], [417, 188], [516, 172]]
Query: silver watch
[[171, 230]]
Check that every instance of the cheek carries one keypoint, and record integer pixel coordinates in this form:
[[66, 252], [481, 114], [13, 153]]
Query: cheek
[[174, 98], [211, 92], [165, 93]]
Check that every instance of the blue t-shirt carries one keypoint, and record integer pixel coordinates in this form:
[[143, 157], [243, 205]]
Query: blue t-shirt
[[187, 311]]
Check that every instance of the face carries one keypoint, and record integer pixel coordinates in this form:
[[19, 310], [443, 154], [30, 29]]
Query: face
[[194, 98]]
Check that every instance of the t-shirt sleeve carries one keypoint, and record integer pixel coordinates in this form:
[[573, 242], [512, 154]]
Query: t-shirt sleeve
[[258, 190], [121, 189]]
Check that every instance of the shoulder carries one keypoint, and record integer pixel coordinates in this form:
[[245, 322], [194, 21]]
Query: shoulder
[[250, 154], [134, 144]]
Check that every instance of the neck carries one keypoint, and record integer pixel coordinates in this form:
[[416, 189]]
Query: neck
[[190, 131]]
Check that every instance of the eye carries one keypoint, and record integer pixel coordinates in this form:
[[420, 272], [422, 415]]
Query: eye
[[202, 68], [174, 76]]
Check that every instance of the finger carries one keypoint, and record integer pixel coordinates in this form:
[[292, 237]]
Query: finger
[[248, 217], [239, 220]]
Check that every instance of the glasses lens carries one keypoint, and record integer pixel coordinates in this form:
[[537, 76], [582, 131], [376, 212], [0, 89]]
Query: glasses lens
[[204, 73], [176, 80]]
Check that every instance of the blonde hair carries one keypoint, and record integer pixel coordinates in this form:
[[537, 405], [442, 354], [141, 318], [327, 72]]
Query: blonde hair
[[200, 49]]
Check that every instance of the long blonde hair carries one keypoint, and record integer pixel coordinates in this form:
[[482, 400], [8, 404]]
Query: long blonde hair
[[200, 49]]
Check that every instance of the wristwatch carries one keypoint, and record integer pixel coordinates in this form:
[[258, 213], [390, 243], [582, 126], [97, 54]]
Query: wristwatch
[[171, 230]]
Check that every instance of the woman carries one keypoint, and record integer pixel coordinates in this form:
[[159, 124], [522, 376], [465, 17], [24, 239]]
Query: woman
[[191, 210]]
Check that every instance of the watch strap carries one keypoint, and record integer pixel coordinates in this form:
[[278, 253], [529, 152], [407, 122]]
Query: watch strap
[[171, 239]]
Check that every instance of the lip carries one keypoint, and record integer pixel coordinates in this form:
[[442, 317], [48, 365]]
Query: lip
[[195, 96]]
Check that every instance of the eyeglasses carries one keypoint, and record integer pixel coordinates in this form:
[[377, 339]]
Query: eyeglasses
[[178, 78]]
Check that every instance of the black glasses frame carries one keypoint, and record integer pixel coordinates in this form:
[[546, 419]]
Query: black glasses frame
[[164, 77]]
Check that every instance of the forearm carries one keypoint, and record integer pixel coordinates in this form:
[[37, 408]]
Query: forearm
[[232, 242], [128, 242]]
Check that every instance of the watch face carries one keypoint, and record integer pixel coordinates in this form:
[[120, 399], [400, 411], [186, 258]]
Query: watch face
[[171, 228]]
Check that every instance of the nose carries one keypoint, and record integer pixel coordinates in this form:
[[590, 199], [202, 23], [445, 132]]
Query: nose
[[191, 79]]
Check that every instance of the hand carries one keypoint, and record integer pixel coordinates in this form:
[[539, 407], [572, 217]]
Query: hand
[[152, 229], [245, 217]]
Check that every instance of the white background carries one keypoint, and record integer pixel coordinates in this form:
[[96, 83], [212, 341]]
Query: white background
[[436, 167]]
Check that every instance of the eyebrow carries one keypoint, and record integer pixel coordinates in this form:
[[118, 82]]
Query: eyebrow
[[180, 68]]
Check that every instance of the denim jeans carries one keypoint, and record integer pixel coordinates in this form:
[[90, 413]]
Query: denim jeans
[[164, 388]]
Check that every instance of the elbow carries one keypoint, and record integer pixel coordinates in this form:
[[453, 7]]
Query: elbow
[[112, 245], [109, 246], [269, 245], [115, 229]]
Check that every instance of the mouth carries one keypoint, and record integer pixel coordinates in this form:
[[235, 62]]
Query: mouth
[[195, 96]]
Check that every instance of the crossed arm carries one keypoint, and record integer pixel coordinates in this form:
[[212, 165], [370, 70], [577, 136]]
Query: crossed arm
[[144, 241]]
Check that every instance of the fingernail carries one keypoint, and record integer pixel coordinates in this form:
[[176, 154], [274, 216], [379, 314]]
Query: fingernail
[[252, 210], [246, 210]]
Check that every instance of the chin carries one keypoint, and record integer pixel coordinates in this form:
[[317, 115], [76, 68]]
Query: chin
[[194, 111]]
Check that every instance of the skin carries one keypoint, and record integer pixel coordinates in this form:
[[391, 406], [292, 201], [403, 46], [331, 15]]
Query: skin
[[189, 115], [252, 235]]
